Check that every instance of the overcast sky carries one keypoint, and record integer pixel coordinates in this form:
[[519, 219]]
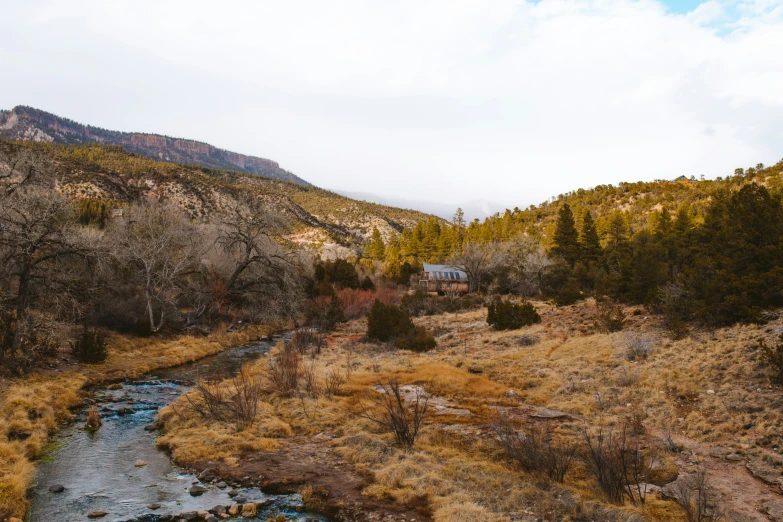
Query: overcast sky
[[448, 100]]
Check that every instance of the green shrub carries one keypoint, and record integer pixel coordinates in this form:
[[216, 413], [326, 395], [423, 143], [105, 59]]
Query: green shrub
[[393, 322], [416, 340], [386, 322], [90, 347], [505, 315], [568, 294], [339, 272]]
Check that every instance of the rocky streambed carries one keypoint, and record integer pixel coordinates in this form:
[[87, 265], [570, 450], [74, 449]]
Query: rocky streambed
[[118, 473]]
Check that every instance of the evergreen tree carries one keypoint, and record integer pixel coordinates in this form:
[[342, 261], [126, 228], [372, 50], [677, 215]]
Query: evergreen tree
[[589, 242], [376, 247], [566, 237], [618, 229]]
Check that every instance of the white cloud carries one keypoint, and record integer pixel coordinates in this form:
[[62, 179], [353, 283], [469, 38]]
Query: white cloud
[[451, 100]]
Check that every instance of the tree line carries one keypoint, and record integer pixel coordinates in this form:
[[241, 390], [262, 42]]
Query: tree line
[[66, 264], [716, 260]]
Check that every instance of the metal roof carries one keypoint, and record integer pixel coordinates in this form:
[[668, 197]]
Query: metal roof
[[447, 272]]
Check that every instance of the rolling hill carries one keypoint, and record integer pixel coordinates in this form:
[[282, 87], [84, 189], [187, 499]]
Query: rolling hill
[[111, 174]]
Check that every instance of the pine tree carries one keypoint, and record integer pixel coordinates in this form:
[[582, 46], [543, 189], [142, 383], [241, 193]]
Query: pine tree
[[566, 237], [376, 248], [618, 229], [589, 242]]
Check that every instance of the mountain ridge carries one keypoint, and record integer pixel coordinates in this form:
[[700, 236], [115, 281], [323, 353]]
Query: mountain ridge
[[31, 124]]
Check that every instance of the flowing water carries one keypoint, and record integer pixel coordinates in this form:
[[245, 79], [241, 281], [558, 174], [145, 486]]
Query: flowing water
[[97, 468]]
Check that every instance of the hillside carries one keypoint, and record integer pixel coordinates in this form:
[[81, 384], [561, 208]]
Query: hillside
[[27, 123], [113, 175], [631, 203]]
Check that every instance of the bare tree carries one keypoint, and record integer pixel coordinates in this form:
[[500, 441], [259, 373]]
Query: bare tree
[[528, 264], [400, 416], [37, 235], [478, 260], [260, 273], [158, 246], [20, 166]]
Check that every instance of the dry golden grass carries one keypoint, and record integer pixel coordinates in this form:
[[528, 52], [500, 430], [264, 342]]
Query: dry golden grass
[[132, 357], [455, 463], [29, 413]]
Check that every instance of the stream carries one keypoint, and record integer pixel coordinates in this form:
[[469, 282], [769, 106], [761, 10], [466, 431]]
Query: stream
[[97, 468]]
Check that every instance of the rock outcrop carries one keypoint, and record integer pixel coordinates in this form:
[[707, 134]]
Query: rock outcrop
[[27, 123]]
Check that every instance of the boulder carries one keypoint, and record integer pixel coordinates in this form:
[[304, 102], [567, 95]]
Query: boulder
[[763, 471], [240, 500], [233, 510], [197, 490], [204, 474], [221, 485], [203, 514], [211, 518], [154, 506], [218, 510], [233, 493], [97, 514], [190, 516], [56, 488]]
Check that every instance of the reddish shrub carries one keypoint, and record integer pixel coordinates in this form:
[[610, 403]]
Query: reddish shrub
[[357, 303]]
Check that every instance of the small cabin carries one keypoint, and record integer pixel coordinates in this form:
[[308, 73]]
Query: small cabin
[[441, 279]]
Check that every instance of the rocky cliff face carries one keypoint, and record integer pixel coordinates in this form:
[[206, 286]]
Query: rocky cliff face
[[27, 123]]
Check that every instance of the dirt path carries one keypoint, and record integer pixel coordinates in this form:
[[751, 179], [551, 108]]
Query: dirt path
[[743, 497], [337, 486]]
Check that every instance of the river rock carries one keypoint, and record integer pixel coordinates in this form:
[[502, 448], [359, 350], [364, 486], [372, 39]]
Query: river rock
[[203, 514], [190, 516], [150, 427], [218, 510], [240, 500], [249, 510], [56, 488], [222, 485], [233, 510], [204, 474], [197, 490], [97, 514], [140, 463], [211, 518], [124, 411], [233, 493], [154, 506]]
